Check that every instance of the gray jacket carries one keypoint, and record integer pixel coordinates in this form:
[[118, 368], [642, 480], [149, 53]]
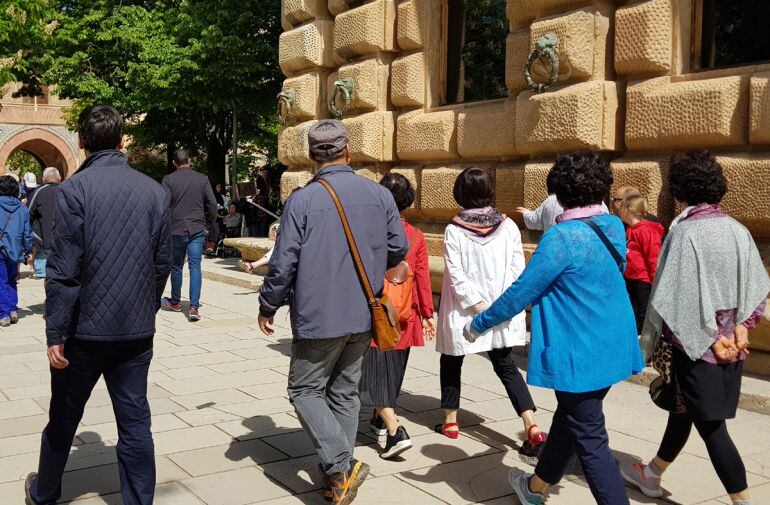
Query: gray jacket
[[311, 268]]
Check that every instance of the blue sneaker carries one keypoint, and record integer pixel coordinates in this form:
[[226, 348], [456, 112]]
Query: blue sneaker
[[519, 481]]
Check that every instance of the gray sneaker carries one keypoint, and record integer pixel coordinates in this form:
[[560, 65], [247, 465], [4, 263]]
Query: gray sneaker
[[14, 317], [5, 322], [519, 481]]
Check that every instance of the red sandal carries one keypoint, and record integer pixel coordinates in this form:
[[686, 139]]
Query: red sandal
[[443, 429]]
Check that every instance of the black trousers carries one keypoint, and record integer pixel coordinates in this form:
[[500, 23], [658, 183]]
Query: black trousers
[[722, 451], [578, 428], [505, 368], [125, 366], [639, 292]]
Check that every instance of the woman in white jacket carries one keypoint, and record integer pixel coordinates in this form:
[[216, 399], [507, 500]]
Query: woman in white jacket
[[484, 256]]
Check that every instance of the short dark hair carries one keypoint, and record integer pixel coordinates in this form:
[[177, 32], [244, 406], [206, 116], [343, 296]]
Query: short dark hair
[[9, 186], [401, 188], [474, 189], [580, 178], [696, 177], [181, 157], [100, 127]]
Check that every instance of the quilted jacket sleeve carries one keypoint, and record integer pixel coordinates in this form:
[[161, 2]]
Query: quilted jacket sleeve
[[163, 254], [63, 271]]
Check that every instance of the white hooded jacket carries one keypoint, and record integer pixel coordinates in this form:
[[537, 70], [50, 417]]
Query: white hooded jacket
[[478, 269]]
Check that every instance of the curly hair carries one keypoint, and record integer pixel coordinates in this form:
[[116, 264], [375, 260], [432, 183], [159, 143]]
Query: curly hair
[[580, 178], [695, 178], [9, 186], [401, 188]]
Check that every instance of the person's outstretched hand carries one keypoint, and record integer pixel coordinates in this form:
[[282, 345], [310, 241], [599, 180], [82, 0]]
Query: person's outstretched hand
[[264, 325], [522, 210], [56, 356], [724, 349]]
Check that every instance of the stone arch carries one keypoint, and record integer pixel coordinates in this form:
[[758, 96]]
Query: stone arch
[[43, 144]]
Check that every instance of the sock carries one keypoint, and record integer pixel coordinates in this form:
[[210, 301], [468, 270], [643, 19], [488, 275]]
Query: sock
[[652, 470]]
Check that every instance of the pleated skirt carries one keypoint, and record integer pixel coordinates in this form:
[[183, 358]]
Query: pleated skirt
[[382, 374]]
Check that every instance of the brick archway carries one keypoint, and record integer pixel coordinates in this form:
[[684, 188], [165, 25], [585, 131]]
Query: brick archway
[[44, 145]]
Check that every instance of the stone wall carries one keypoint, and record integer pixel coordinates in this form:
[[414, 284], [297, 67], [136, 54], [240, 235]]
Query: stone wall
[[627, 87]]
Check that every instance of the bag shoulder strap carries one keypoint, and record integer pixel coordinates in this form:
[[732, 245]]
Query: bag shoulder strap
[[606, 241], [367, 287], [7, 221]]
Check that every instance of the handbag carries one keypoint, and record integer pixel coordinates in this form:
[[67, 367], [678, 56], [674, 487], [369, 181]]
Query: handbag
[[662, 359], [385, 320], [665, 391]]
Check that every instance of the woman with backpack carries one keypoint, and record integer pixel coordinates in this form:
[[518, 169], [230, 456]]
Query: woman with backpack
[[484, 256], [16, 241], [382, 372]]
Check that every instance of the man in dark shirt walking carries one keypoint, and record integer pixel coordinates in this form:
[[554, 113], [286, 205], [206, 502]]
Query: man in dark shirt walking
[[108, 267], [41, 213], [192, 201]]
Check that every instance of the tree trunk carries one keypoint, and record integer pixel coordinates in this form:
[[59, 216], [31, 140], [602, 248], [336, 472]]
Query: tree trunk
[[170, 150], [216, 158]]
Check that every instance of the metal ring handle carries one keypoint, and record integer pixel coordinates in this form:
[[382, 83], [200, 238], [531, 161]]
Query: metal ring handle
[[546, 51], [346, 85], [285, 100]]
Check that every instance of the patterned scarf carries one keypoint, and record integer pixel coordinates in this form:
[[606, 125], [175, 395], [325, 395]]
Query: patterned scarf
[[481, 221]]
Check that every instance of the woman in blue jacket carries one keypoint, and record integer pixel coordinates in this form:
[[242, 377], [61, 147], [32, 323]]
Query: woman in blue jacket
[[583, 331], [16, 243]]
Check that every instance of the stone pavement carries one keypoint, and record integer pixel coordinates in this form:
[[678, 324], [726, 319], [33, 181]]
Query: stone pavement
[[225, 434]]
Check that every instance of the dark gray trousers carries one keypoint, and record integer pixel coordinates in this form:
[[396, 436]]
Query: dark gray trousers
[[323, 387]]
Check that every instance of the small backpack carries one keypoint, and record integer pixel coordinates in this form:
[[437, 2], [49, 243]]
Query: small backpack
[[399, 287]]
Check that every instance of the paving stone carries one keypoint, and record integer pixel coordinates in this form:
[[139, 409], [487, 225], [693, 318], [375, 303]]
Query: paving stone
[[226, 457], [109, 431], [211, 398], [206, 358], [16, 426], [265, 391], [261, 426], [189, 372], [165, 494], [187, 439], [200, 417], [19, 408], [222, 381], [238, 487], [258, 407]]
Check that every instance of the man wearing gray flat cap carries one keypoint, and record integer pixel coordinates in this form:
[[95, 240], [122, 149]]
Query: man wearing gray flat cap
[[313, 271]]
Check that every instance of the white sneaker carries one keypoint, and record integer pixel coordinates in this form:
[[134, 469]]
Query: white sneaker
[[636, 475]]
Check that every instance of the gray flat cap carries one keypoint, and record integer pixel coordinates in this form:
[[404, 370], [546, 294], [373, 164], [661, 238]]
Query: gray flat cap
[[327, 140]]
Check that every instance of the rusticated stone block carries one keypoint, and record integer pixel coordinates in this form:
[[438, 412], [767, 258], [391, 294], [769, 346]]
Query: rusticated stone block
[[340, 6], [582, 43], [535, 176], [748, 198], [412, 24], [309, 92], [371, 137], [581, 116], [759, 132], [644, 37], [516, 54], [412, 173], [294, 12], [306, 47], [438, 202], [509, 186], [427, 136], [293, 179], [371, 78], [407, 83], [687, 114], [367, 29], [373, 173], [522, 12], [487, 130], [650, 177], [293, 147]]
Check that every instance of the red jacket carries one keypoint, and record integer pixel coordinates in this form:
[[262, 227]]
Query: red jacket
[[644, 243]]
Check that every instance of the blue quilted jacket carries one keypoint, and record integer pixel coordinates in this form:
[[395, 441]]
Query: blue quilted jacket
[[111, 253]]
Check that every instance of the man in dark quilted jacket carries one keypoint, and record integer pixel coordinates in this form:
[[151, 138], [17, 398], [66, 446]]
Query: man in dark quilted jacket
[[110, 259]]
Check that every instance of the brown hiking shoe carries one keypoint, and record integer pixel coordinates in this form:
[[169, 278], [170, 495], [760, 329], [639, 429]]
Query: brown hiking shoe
[[27, 486], [345, 484]]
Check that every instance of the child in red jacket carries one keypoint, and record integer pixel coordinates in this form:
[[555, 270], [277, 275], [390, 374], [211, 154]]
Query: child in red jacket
[[644, 242]]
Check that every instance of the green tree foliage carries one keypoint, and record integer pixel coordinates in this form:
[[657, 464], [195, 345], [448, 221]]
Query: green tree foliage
[[21, 162], [24, 24], [175, 68]]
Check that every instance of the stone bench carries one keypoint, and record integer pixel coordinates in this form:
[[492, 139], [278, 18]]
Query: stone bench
[[251, 249]]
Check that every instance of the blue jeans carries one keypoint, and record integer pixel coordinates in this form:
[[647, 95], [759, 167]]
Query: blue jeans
[[125, 366], [9, 295], [192, 247], [41, 258], [578, 428]]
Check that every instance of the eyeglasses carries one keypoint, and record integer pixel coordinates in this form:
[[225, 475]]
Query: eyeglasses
[[617, 200]]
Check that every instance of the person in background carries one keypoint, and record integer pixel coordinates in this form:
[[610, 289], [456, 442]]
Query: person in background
[[583, 334], [192, 205], [29, 182], [644, 240], [250, 267], [383, 372], [484, 256], [710, 290], [545, 215], [108, 267], [233, 221], [312, 269], [42, 208], [219, 227], [16, 242], [623, 192], [228, 199]]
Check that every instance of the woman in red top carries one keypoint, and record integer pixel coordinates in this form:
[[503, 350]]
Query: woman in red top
[[383, 372], [644, 242]]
